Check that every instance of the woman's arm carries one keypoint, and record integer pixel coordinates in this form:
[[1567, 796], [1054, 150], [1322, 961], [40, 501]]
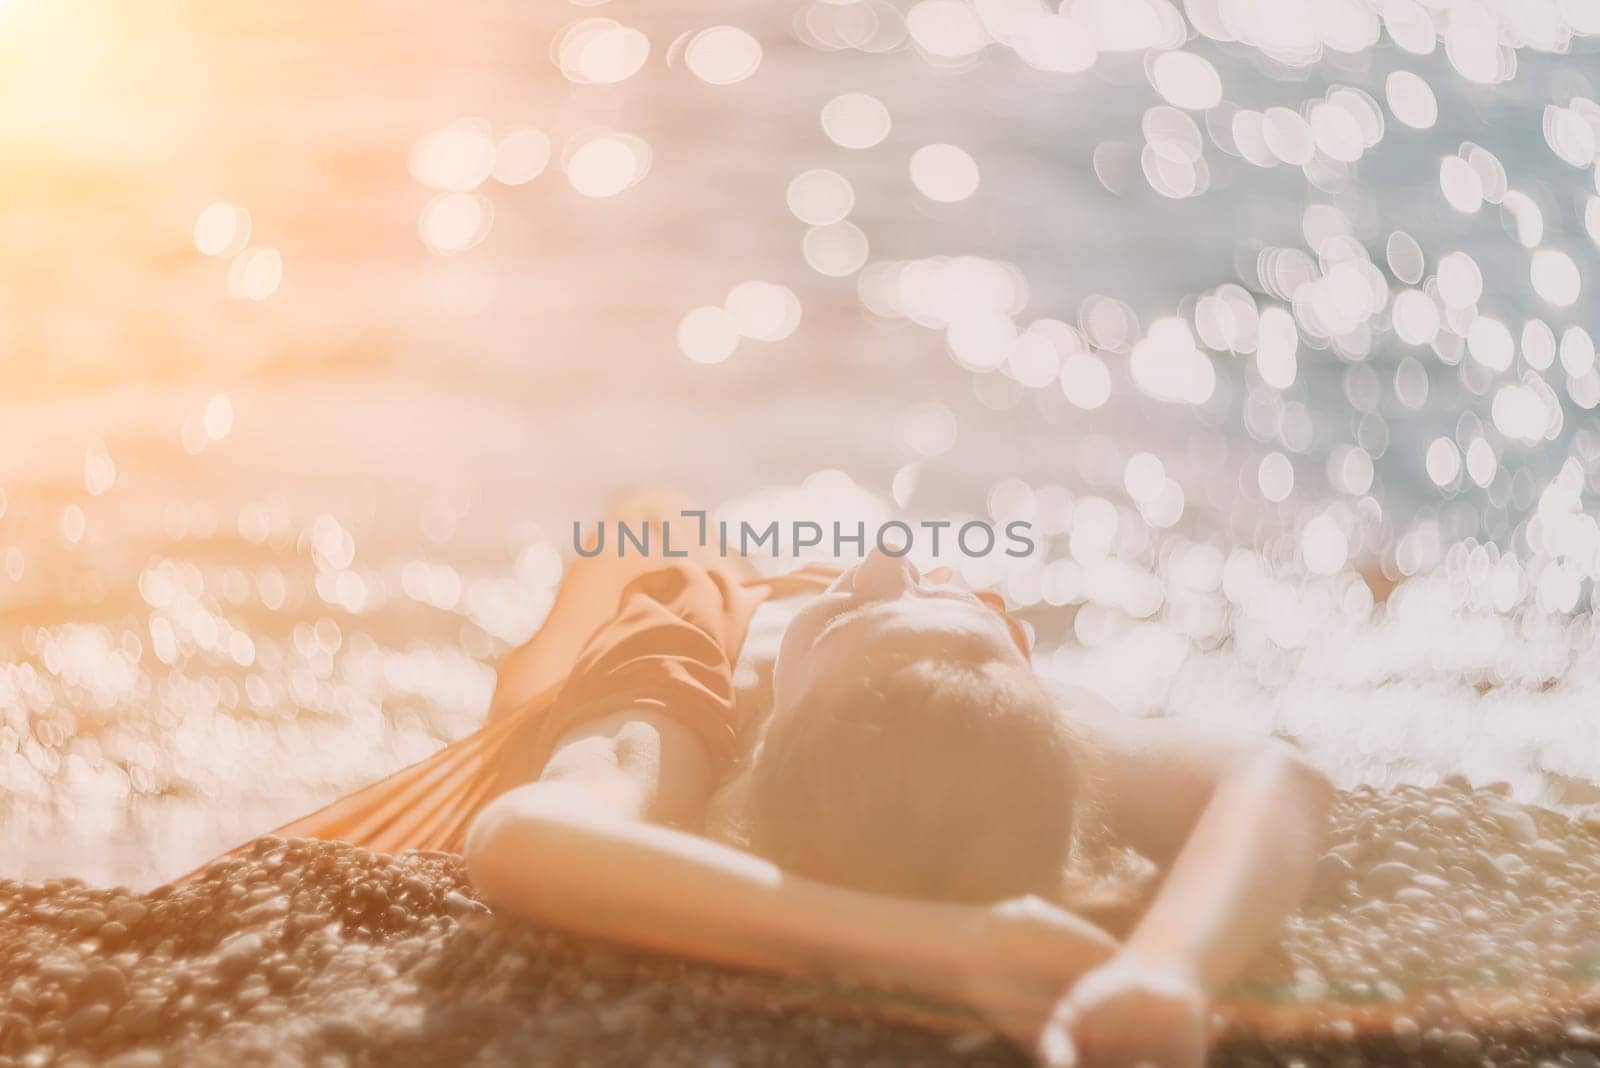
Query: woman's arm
[[1246, 864], [583, 849], [1240, 822]]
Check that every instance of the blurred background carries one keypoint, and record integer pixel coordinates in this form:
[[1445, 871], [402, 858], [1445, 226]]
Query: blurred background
[[320, 327]]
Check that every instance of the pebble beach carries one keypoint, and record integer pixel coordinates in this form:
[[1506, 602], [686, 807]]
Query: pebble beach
[[1447, 927]]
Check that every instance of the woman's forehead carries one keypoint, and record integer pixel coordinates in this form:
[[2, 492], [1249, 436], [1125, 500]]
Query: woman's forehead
[[911, 628]]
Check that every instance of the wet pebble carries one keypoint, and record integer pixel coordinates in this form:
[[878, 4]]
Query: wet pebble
[[459, 904], [238, 954], [1333, 872], [1384, 879], [86, 1021], [137, 1058], [1516, 824], [105, 984], [85, 920]]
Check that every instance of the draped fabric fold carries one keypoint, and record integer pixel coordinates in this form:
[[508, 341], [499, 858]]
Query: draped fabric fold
[[668, 644]]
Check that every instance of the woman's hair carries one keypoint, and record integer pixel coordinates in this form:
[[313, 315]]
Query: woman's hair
[[935, 779]]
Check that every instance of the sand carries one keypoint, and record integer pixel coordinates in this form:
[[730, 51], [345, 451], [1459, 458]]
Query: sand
[[1447, 927]]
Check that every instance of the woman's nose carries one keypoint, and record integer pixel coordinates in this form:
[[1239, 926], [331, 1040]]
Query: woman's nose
[[881, 577]]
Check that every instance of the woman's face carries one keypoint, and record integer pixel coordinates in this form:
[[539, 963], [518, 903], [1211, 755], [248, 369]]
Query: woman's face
[[883, 612]]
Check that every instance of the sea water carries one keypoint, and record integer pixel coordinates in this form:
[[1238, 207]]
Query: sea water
[[320, 329]]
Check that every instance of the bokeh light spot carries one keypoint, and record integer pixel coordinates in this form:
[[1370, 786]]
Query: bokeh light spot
[[944, 173], [836, 250], [1411, 100], [722, 55], [820, 197], [707, 335], [945, 29], [600, 51], [604, 164], [763, 311], [521, 156], [1085, 380], [255, 273], [456, 158], [1555, 277], [221, 230], [452, 223], [1186, 80], [1275, 477], [855, 120]]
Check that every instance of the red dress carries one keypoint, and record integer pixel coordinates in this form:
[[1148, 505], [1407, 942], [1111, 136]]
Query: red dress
[[668, 643]]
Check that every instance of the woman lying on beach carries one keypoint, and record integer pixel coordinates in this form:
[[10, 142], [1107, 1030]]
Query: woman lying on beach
[[890, 796]]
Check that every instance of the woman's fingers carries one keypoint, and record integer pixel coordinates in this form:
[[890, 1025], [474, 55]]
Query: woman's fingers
[[1128, 1014], [1157, 1043], [1055, 1048]]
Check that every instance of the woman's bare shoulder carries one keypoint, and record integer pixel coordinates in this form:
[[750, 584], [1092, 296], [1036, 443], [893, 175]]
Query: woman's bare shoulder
[[1108, 735], [1113, 733], [1079, 704]]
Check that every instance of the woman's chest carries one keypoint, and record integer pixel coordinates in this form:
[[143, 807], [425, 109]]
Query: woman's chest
[[752, 685], [752, 670]]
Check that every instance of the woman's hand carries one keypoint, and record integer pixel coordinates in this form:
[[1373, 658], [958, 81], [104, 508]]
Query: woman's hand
[[1029, 952], [1128, 1013]]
